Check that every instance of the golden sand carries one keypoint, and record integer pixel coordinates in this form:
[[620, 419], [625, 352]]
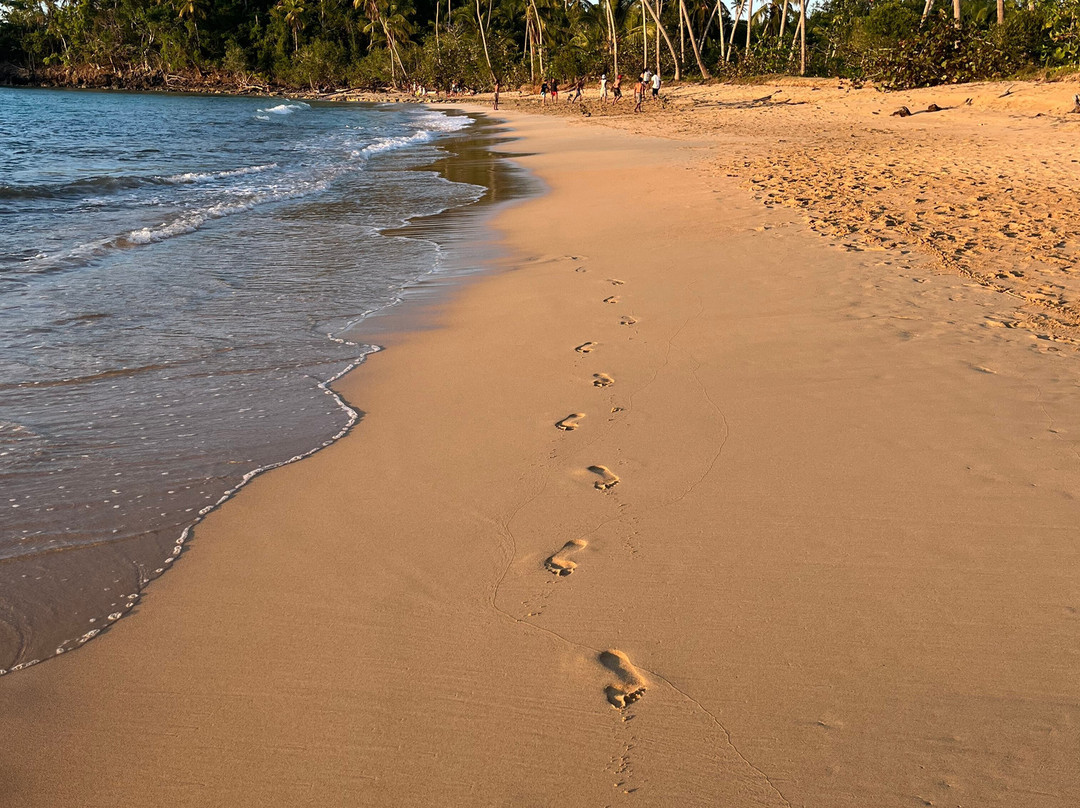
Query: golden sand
[[820, 516]]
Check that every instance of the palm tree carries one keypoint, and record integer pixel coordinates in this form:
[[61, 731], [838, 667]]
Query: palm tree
[[693, 44], [194, 10], [387, 17], [613, 35], [293, 11]]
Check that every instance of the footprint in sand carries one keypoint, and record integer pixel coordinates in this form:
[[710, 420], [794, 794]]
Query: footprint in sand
[[614, 281], [585, 347], [627, 320], [629, 685], [560, 563], [570, 422], [607, 479], [612, 299], [602, 380]]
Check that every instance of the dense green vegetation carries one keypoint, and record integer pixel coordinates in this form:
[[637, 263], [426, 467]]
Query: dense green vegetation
[[321, 44]]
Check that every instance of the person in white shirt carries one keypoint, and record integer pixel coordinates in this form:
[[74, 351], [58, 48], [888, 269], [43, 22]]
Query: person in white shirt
[[603, 87], [656, 85]]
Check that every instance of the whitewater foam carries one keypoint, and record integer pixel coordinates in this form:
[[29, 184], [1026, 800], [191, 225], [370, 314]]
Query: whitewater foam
[[430, 124], [193, 221], [200, 176], [285, 109]]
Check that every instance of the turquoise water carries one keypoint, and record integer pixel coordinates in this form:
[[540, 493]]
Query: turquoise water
[[178, 280]]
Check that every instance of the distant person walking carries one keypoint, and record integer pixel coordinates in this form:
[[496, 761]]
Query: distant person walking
[[616, 88], [603, 88], [656, 85], [579, 86], [554, 90], [543, 92], [639, 94], [495, 105]]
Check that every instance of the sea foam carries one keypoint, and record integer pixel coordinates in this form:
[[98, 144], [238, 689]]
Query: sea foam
[[200, 176], [285, 109]]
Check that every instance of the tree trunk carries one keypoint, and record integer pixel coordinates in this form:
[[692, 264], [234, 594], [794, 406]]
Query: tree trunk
[[529, 50], [483, 40], [926, 11], [656, 44], [663, 31], [538, 43], [956, 10], [1001, 12], [644, 38], [705, 30], [693, 42], [682, 40], [734, 25], [614, 39], [802, 37], [749, 16], [783, 23]]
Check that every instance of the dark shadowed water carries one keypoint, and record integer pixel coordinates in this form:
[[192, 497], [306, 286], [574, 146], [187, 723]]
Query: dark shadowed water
[[179, 276]]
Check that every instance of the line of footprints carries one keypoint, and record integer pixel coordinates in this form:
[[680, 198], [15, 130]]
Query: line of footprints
[[628, 685]]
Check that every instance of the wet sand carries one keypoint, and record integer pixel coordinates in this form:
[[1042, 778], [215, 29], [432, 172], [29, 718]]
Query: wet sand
[[693, 507]]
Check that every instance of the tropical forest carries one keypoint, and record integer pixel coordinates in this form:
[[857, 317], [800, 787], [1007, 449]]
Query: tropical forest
[[468, 45]]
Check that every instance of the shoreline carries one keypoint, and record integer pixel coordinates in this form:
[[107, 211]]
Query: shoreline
[[463, 159], [820, 523]]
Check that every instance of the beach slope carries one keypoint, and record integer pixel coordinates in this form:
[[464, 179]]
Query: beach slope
[[691, 508]]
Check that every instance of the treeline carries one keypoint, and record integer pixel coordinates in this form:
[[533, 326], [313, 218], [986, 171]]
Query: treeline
[[373, 44]]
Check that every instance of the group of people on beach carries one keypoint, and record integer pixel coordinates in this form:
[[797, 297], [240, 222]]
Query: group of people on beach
[[550, 87], [648, 82]]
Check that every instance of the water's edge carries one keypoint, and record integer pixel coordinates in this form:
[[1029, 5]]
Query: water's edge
[[465, 245]]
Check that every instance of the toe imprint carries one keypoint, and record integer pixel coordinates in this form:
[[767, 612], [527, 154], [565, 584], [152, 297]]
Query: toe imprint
[[607, 479], [602, 380], [560, 563], [629, 684], [570, 422]]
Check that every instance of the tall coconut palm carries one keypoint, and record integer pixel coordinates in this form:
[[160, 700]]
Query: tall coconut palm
[[389, 18], [192, 10], [655, 14], [293, 12], [693, 43], [613, 33]]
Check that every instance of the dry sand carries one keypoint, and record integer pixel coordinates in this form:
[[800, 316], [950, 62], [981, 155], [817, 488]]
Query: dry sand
[[696, 507]]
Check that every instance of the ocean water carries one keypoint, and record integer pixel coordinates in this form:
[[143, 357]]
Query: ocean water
[[180, 277]]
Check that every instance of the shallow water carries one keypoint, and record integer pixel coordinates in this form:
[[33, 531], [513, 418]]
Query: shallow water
[[179, 277]]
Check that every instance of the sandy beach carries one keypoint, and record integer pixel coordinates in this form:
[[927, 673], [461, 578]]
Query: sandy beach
[[746, 477]]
